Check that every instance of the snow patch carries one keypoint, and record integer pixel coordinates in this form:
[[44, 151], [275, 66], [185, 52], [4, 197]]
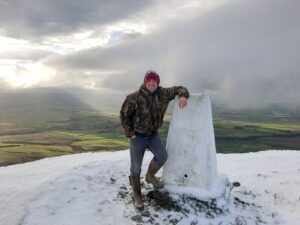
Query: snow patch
[[84, 189]]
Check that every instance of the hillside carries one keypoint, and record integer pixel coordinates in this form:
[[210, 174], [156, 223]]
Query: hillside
[[39, 123], [92, 189]]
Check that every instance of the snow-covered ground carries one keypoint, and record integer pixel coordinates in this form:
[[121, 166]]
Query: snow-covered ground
[[83, 189]]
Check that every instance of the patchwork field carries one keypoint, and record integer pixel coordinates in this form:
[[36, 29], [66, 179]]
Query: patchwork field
[[241, 136], [28, 147], [28, 139]]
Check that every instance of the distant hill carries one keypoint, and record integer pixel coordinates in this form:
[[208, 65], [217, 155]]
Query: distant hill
[[56, 103], [39, 103], [274, 112]]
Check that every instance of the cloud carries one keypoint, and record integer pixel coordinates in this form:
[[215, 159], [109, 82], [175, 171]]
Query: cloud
[[24, 54], [3, 84], [35, 19], [244, 52]]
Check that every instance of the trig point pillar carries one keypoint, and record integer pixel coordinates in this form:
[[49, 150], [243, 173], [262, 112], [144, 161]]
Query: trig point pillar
[[191, 166]]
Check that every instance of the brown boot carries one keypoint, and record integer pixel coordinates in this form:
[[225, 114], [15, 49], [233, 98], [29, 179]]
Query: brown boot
[[137, 194], [150, 178]]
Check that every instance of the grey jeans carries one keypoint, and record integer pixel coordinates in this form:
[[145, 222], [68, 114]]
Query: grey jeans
[[138, 146]]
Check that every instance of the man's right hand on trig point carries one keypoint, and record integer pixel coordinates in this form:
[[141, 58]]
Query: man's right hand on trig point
[[132, 137]]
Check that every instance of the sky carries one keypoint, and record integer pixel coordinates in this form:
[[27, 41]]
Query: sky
[[241, 52]]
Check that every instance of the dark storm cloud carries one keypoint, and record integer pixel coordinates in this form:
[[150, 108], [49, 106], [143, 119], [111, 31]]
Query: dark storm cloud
[[244, 52], [34, 19]]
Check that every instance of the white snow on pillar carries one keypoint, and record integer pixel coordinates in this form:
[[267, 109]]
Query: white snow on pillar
[[191, 166]]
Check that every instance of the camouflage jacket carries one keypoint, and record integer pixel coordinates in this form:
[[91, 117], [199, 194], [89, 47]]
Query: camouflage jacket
[[144, 112]]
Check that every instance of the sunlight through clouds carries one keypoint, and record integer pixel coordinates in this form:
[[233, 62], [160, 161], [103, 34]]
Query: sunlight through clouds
[[24, 75], [20, 70], [7, 43], [250, 45]]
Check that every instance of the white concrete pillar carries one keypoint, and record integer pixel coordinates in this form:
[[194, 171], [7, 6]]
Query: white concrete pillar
[[191, 166]]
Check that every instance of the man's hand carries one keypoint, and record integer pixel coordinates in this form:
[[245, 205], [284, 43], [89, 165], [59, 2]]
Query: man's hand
[[182, 102], [132, 137]]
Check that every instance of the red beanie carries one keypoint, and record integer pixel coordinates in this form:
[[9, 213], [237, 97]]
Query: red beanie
[[151, 75]]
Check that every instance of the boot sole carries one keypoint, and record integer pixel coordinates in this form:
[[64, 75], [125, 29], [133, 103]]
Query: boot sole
[[139, 208]]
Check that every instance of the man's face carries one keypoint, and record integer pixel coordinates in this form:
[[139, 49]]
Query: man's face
[[151, 85]]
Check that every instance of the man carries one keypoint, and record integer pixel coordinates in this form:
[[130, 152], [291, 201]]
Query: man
[[141, 115]]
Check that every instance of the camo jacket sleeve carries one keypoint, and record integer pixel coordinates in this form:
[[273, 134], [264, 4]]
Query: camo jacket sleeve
[[177, 90], [126, 116]]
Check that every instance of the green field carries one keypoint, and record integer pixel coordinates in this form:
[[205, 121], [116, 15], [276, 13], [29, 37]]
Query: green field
[[25, 139], [241, 136]]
